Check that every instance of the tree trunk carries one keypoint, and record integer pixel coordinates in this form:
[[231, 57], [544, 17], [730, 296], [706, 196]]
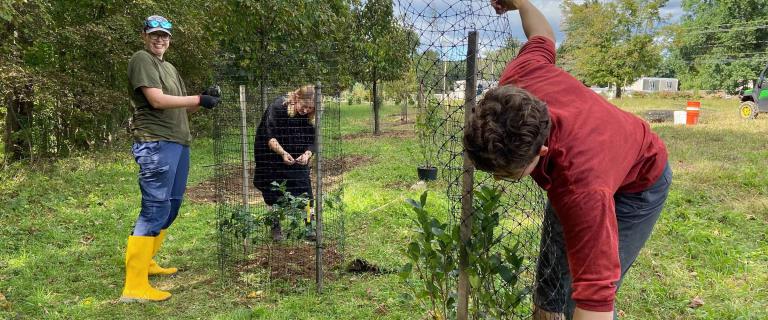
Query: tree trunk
[[18, 139], [376, 106], [404, 113], [618, 92], [81, 131], [61, 145]]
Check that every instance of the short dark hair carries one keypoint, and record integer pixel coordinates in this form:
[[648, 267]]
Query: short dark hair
[[506, 129]]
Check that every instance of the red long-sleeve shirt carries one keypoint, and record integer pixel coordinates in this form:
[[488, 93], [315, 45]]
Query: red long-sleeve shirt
[[595, 151]]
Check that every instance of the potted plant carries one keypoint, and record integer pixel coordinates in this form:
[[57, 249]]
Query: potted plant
[[427, 122]]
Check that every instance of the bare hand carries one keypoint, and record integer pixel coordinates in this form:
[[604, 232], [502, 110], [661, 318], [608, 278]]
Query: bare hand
[[502, 6], [288, 159], [304, 158]]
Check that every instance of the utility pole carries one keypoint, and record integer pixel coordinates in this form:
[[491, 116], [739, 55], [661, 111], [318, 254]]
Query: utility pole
[[445, 75]]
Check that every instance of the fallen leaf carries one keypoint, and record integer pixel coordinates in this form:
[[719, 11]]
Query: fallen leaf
[[4, 304], [693, 273], [622, 314], [751, 217], [381, 309], [696, 302], [256, 294], [86, 239]]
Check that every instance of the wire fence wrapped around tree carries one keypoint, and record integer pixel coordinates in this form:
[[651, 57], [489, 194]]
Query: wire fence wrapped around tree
[[464, 47], [278, 172]]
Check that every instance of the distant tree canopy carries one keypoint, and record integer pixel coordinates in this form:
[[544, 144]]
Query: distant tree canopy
[[719, 45], [281, 41], [63, 63], [63, 68], [612, 43], [63, 86], [715, 45]]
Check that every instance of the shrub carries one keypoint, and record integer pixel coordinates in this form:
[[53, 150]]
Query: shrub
[[494, 266]]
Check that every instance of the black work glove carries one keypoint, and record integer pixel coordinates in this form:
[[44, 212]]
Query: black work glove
[[213, 90], [209, 102]]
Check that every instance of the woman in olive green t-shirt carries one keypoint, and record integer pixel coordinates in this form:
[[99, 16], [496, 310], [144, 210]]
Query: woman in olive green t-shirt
[[161, 149]]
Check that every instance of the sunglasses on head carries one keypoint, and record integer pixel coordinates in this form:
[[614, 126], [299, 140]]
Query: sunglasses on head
[[154, 24]]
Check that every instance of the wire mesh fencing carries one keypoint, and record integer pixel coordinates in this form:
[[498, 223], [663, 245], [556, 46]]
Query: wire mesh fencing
[[464, 47], [278, 177]]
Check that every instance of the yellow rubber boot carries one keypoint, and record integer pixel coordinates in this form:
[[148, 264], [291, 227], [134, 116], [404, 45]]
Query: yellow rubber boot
[[137, 257], [154, 268]]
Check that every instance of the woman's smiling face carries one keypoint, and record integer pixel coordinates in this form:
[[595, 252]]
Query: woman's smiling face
[[157, 42]]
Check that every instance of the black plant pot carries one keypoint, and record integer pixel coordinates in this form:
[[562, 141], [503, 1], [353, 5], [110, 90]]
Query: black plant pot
[[427, 173]]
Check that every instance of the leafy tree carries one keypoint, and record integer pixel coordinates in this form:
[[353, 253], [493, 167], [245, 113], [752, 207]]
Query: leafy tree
[[403, 91], [64, 79], [429, 68], [16, 80], [287, 42], [612, 43], [719, 45], [385, 49], [63, 82], [492, 64]]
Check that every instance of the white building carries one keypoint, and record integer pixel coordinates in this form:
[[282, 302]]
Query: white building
[[460, 86], [649, 84]]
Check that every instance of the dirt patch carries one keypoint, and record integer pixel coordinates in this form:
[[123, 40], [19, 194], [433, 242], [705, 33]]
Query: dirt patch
[[355, 160], [386, 134], [204, 192], [292, 262], [231, 181]]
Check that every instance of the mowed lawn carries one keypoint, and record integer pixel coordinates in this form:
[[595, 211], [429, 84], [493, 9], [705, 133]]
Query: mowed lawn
[[63, 228]]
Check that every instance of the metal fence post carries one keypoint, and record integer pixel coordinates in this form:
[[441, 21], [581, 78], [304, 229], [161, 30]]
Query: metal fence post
[[244, 160], [319, 186]]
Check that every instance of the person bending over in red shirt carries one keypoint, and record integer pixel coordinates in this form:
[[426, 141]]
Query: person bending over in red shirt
[[604, 171]]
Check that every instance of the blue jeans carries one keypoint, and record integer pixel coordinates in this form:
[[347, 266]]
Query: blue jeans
[[163, 171], [636, 214]]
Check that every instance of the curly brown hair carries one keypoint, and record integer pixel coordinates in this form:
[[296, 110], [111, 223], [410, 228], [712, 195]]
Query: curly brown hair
[[506, 129]]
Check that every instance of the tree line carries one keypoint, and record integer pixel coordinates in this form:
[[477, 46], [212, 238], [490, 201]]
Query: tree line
[[63, 86], [713, 45], [63, 77]]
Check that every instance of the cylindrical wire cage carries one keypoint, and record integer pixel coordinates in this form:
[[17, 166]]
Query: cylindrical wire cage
[[443, 28], [280, 219]]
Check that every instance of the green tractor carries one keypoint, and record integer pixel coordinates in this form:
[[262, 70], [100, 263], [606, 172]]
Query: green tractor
[[754, 101]]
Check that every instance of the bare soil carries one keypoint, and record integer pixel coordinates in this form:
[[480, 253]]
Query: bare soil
[[232, 181], [292, 262]]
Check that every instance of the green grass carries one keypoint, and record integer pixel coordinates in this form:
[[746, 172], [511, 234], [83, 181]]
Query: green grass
[[712, 239], [64, 225]]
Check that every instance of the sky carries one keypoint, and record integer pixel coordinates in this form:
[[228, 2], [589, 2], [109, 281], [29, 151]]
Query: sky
[[443, 24], [551, 9]]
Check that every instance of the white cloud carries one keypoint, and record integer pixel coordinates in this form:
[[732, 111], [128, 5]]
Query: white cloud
[[443, 24]]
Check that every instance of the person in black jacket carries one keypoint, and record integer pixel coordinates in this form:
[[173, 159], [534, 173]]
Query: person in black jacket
[[283, 147]]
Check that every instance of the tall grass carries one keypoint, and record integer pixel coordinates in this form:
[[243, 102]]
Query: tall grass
[[63, 228]]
